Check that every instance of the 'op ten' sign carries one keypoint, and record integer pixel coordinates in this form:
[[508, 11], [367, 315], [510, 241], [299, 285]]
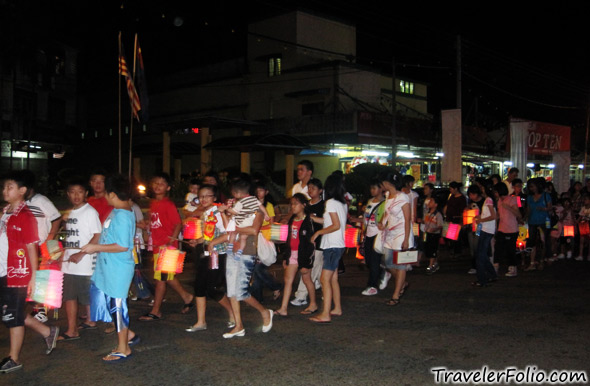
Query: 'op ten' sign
[[546, 138]]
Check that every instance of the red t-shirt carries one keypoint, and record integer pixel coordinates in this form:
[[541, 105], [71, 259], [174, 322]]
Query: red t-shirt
[[21, 229], [102, 207], [164, 218], [295, 227]]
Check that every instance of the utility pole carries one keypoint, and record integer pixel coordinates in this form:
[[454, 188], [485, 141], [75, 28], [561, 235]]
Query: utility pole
[[459, 76], [393, 116]]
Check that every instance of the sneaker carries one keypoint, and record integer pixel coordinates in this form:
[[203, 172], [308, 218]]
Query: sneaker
[[580, 258], [560, 256], [299, 302], [569, 254], [51, 340], [370, 291], [512, 271], [40, 316], [8, 365], [472, 271], [317, 284], [384, 280], [435, 268]]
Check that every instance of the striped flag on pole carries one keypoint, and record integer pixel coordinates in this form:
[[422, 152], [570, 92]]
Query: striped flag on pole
[[133, 97]]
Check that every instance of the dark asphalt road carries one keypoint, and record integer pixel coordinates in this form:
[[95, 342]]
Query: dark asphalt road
[[538, 318]]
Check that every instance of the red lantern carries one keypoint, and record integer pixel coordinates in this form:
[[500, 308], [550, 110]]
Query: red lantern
[[568, 231], [468, 215], [192, 229], [351, 235], [453, 231], [584, 228], [170, 260]]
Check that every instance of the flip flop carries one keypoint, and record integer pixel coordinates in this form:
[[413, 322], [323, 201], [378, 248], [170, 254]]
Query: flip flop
[[308, 312], [135, 340], [121, 357], [318, 321], [149, 317], [65, 337], [392, 302], [85, 326], [276, 312], [187, 307]]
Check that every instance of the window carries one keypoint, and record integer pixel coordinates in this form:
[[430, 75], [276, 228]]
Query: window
[[406, 87], [274, 66]]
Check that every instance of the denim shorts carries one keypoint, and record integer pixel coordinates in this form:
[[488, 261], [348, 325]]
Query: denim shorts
[[332, 258], [388, 261], [237, 275]]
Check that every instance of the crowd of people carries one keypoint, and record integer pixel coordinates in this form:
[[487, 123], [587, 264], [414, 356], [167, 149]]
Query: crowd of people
[[105, 237]]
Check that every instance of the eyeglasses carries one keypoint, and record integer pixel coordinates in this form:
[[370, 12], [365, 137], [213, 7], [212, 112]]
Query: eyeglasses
[[208, 195]]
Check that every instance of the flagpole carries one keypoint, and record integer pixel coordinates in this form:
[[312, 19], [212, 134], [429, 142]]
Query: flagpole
[[131, 123], [119, 76]]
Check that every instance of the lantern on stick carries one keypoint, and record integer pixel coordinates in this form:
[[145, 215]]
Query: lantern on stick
[[170, 260], [279, 232], [469, 215], [568, 231], [192, 229]]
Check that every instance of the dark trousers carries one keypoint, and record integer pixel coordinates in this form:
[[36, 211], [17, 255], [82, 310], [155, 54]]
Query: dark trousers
[[506, 248], [373, 262]]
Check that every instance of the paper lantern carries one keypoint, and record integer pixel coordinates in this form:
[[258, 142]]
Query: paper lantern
[[416, 229], [468, 215], [51, 250], [48, 288], [351, 236], [279, 232], [520, 244], [584, 228], [170, 260], [453, 231], [192, 229], [568, 231], [358, 255]]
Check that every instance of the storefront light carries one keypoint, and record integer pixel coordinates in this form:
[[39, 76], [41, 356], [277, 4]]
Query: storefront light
[[580, 166], [551, 166], [508, 163], [376, 153], [530, 165], [338, 151], [407, 154], [440, 154]]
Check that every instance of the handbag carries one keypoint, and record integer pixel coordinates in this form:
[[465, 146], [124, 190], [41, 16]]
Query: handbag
[[267, 252], [378, 243], [409, 256]]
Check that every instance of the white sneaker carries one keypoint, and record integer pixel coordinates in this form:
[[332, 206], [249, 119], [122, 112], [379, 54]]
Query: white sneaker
[[580, 258], [512, 271], [569, 254], [318, 285], [560, 256], [472, 271], [298, 302], [370, 291], [384, 280]]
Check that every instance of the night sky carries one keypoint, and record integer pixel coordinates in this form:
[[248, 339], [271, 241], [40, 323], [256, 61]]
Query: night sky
[[519, 60]]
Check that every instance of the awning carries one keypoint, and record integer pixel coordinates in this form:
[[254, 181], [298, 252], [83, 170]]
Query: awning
[[260, 142]]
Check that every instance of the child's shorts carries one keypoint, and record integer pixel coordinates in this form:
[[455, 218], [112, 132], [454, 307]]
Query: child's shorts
[[13, 304], [107, 309], [77, 287], [159, 275]]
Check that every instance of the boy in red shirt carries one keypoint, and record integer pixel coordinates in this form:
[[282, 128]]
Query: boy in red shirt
[[98, 200], [18, 267], [165, 227]]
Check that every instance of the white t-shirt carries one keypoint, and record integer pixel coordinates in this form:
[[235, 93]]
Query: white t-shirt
[[334, 239], [81, 226], [396, 223], [190, 204], [488, 226], [299, 188], [3, 245], [369, 218], [45, 213]]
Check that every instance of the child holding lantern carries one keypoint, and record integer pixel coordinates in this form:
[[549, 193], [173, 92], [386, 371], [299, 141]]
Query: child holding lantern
[[165, 227], [114, 267], [18, 267], [210, 267], [433, 224]]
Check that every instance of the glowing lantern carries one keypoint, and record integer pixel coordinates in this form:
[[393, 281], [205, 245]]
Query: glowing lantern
[[279, 232], [584, 228], [192, 229], [453, 231], [520, 244], [170, 260], [48, 288], [523, 232], [568, 231], [351, 235], [468, 215], [416, 229], [358, 254], [51, 250]]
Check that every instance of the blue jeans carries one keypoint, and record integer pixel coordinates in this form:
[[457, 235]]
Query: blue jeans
[[262, 278], [485, 269], [238, 274], [332, 258]]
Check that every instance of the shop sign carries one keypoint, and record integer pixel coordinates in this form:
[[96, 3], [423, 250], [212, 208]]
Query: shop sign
[[546, 138]]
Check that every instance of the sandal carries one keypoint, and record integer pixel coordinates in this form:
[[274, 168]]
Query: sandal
[[187, 307], [119, 355], [149, 317], [276, 312], [392, 302], [308, 312], [276, 294], [403, 290]]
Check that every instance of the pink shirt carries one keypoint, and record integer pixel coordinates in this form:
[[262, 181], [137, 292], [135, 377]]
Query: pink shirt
[[508, 221]]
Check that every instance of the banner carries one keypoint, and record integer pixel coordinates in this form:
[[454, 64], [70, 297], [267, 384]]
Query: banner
[[451, 165], [546, 138]]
